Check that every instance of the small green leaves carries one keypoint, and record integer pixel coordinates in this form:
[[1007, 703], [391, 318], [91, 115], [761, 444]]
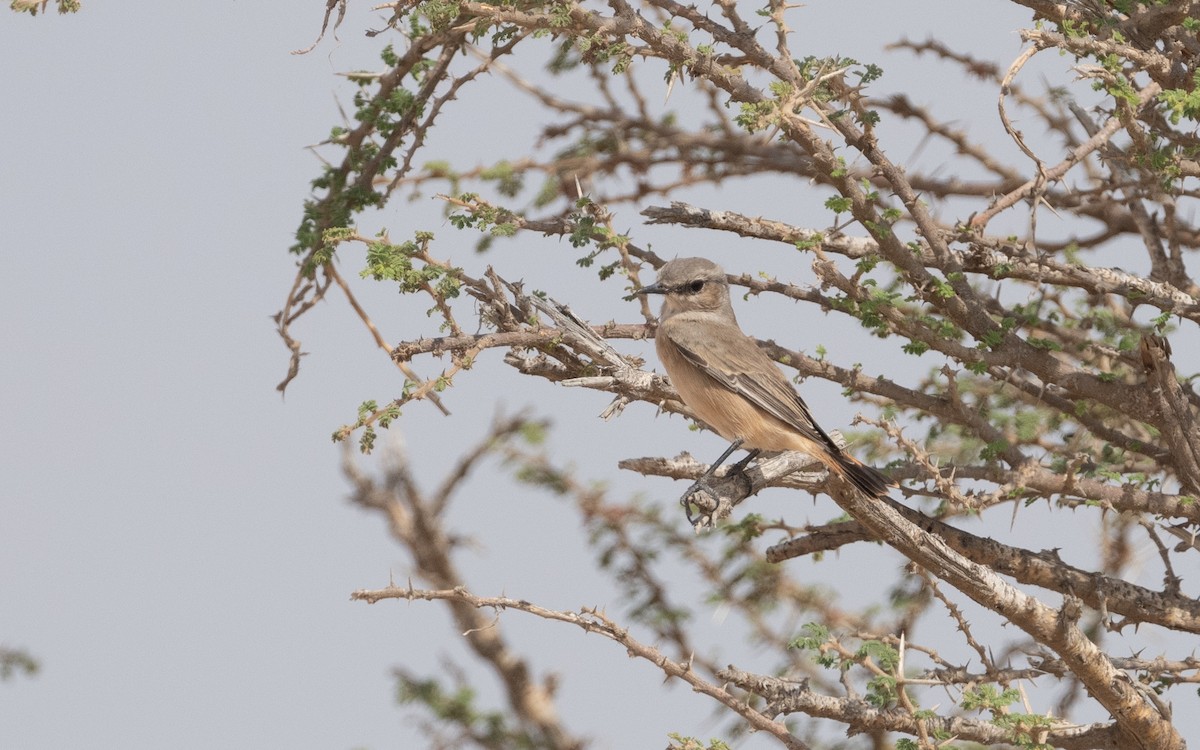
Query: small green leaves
[[881, 691], [682, 742], [884, 655], [560, 15], [439, 13], [1182, 104], [509, 182], [839, 204], [781, 89], [533, 432], [813, 636], [391, 262], [746, 529], [33, 6], [875, 655], [1023, 728], [474, 213], [992, 338], [870, 307], [987, 698], [809, 242], [755, 116], [941, 289], [1044, 343], [867, 263], [869, 73], [369, 415], [581, 234], [14, 660], [459, 708], [993, 450]]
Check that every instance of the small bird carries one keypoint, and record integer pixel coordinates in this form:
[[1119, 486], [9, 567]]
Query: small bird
[[731, 384]]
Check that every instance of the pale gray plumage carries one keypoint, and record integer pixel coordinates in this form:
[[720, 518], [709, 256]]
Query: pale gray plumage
[[729, 382]]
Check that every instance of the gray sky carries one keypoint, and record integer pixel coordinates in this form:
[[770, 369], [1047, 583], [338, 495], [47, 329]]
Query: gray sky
[[175, 546]]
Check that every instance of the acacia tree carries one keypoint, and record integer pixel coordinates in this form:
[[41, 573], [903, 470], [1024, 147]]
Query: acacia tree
[[1045, 374]]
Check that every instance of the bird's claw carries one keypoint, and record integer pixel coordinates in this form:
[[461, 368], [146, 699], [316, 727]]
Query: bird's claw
[[703, 486], [700, 486]]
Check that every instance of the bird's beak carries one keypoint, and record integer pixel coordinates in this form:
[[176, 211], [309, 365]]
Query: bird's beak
[[654, 288]]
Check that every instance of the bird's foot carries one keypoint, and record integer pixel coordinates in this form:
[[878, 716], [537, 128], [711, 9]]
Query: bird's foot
[[703, 496]]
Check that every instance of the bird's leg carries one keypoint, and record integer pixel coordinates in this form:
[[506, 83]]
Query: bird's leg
[[702, 485], [740, 466], [728, 452]]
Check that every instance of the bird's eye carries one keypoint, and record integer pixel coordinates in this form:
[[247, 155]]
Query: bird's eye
[[695, 286]]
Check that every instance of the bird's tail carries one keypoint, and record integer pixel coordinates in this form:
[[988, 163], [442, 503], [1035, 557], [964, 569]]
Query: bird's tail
[[866, 478]]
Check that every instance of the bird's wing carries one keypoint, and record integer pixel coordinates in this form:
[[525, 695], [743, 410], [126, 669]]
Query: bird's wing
[[736, 363]]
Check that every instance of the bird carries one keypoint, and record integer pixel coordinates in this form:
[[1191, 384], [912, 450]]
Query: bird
[[730, 383]]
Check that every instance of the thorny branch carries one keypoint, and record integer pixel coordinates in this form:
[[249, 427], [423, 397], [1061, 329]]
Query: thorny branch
[[415, 519], [594, 621], [1050, 383]]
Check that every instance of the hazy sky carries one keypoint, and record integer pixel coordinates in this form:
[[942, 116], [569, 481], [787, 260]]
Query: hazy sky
[[175, 545]]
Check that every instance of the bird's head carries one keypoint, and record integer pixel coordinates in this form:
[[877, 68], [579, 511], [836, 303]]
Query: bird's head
[[691, 284]]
